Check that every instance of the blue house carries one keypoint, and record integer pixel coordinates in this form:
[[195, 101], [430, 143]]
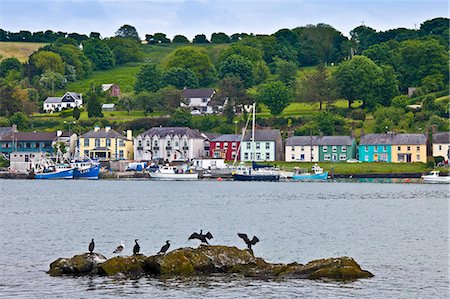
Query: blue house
[[375, 148]]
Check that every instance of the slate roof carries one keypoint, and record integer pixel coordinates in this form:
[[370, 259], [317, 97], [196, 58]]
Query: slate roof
[[172, 131], [227, 138], [34, 136], [102, 133], [211, 136], [393, 138], [52, 100], [5, 131], [197, 93], [74, 95], [319, 140], [301, 140], [441, 137], [264, 135]]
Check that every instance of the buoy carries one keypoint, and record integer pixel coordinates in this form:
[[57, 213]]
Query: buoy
[[219, 179], [407, 181]]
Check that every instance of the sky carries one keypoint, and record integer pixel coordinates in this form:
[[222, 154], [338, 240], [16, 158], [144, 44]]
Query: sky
[[191, 17]]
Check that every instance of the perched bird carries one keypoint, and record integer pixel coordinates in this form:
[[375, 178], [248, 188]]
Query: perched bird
[[119, 248], [248, 241], [91, 246], [165, 247], [202, 237], [136, 247]]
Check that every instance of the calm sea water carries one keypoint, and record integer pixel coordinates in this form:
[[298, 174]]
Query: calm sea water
[[399, 232]]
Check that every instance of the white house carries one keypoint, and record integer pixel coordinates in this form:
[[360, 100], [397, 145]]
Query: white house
[[302, 148], [198, 100], [267, 146], [441, 145], [68, 100], [169, 143]]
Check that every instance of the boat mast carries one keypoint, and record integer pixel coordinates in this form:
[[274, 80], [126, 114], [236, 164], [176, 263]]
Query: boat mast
[[242, 139], [253, 133]]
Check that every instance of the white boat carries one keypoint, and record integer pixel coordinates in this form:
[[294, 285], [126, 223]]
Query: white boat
[[316, 174], [173, 173], [434, 177]]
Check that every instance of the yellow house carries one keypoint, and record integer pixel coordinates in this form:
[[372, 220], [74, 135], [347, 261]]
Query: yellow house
[[106, 144], [409, 148]]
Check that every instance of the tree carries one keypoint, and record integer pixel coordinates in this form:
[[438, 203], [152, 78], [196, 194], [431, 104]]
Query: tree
[[195, 59], [363, 37], [200, 39], [76, 113], [237, 66], [95, 35], [436, 26], [317, 87], [51, 81], [432, 83], [275, 95], [148, 101], [260, 72], [149, 78], [20, 120], [220, 38], [9, 64], [228, 112], [390, 118], [233, 89], [286, 71], [359, 79], [329, 124], [180, 39], [13, 98], [77, 65], [181, 118], [170, 97], [46, 60], [251, 53], [94, 107], [99, 53], [126, 102], [125, 50], [128, 31], [180, 78], [161, 38]]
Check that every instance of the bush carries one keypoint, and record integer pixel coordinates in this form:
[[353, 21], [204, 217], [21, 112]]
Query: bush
[[430, 162], [66, 113], [357, 114]]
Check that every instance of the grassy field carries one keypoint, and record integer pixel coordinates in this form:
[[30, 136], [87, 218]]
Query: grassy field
[[19, 50]]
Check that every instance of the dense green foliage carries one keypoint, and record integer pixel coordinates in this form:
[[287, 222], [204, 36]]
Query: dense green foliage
[[99, 53], [275, 95]]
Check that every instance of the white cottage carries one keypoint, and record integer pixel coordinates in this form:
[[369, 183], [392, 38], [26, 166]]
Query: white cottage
[[67, 101], [198, 100], [169, 143]]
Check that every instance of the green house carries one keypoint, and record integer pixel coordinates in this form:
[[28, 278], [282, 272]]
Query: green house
[[336, 148]]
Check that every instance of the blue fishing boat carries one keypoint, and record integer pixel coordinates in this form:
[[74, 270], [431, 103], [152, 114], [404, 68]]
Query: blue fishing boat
[[85, 168], [316, 174], [45, 168]]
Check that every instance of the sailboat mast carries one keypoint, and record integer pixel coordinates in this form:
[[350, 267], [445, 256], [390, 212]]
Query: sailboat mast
[[253, 133]]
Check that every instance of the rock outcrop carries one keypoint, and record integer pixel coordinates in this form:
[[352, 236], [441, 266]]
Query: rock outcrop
[[206, 260]]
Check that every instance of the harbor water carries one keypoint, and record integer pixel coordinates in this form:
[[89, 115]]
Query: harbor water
[[399, 232]]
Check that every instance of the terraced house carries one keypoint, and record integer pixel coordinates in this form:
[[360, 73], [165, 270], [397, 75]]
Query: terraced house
[[441, 145], [267, 146], [393, 147], [106, 144], [320, 148]]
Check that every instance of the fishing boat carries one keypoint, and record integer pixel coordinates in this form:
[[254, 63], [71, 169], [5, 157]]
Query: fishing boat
[[316, 173], [254, 172], [45, 168], [85, 168], [174, 173], [434, 177]]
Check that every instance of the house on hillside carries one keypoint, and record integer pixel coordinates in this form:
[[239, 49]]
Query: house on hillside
[[225, 146], [113, 89], [393, 147], [441, 145], [198, 100], [106, 144], [169, 144], [67, 101], [267, 146]]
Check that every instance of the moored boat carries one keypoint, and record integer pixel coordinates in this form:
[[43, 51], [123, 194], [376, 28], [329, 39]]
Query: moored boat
[[316, 174], [249, 173], [45, 168], [173, 173], [85, 168], [434, 177]]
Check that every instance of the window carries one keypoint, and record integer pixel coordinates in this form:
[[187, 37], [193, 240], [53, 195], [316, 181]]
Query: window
[[408, 148], [121, 142], [384, 148], [234, 145], [86, 142], [342, 157], [86, 153], [258, 146], [401, 157], [366, 148], [376, 148], [267, 145], [325, 149], [155, 143], [168, 153], [248, 145], [258, 156], [204, 100], [246, 156], [292, 148], [326, 157], [293, 157], [148, 143], [176, 143], [399, 148], [97, 142], [302, 157], [302, 148], [36, 145], [343, 149], [217, 145], [121, 154], [440, 147], [168, 142], [418, 148], [418, 158], [267, 156], [108, 142], [334, 148], [366, 158], [225, 145]]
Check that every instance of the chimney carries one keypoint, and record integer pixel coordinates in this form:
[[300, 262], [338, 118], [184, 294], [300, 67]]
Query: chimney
[[352, 133], [14, 128], [107, 129], [96, 128], [129, 134]]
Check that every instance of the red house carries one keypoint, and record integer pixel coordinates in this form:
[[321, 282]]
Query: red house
[[225, 146]]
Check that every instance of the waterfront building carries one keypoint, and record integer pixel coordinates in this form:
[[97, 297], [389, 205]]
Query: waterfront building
[[67, 101], [225, 146], [302, 149], [267, 146], [169, 144], [441, 145], [393, 147], [23, 161], [106, 144]]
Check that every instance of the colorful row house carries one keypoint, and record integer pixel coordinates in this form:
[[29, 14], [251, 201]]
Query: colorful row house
[[267, 146], [225, 147], [106, 144], [393, 147], [320, 148]]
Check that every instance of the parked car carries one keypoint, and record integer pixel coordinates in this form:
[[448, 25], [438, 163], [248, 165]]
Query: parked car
[[353, 161]]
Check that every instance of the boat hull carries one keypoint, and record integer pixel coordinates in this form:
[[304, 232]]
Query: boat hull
[[311, 177], [174, 176], [256, 177], [438, 180], [90, 173], [63, 174]]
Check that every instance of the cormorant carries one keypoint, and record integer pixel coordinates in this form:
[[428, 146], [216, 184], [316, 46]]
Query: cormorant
[[248, 241], [136, 247], [202, 237], [91, 246], [119, 248], [164, 248]]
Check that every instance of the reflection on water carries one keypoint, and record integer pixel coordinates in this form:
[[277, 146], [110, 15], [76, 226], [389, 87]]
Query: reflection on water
[[397, 231]]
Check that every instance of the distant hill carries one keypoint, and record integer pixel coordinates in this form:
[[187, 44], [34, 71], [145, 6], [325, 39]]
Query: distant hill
[[19, 50]]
